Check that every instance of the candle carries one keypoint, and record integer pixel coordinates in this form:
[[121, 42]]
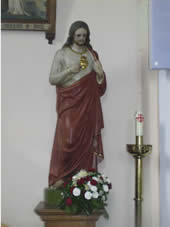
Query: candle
[[139, 118]]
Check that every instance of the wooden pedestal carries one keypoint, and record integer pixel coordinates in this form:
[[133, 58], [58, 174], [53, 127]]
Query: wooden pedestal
[[58, 218]]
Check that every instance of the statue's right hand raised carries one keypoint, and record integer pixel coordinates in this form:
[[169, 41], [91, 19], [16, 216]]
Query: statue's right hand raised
[[75, 68]]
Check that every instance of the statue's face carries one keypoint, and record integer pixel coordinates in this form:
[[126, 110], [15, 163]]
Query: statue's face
[[80, 36]]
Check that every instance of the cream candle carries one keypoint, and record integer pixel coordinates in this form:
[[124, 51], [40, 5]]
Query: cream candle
[[139, 120]]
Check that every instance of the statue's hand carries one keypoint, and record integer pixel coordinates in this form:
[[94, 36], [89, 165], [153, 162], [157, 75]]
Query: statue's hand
[[97, 67], [75, 68]]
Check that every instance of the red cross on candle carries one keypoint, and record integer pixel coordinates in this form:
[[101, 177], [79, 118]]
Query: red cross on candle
[[140, 118]]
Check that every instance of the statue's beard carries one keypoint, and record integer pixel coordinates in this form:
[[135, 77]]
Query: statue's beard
[[80, 44]]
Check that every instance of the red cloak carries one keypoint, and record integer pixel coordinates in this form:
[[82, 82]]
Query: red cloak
[[80, 120]]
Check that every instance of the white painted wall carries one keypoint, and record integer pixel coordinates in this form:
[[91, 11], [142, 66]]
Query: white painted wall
[[164, 110], [29, 118]]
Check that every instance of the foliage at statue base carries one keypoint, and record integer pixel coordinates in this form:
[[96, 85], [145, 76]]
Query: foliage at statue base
[[84, 193]]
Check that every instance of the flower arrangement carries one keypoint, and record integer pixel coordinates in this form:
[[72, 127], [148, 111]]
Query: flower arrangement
[[84, 193]]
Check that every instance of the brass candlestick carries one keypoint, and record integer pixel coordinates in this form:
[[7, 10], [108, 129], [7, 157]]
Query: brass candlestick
[[138, 151]]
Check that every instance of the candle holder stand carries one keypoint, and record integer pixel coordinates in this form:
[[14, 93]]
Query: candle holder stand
[[138, 151]]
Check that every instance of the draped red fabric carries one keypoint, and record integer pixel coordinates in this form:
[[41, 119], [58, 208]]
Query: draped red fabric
[[79, 122]]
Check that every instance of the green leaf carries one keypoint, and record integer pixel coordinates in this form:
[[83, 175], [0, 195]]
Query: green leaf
[[68, 210], [105, 214], [53, 197], [85, 208], [74, 209]]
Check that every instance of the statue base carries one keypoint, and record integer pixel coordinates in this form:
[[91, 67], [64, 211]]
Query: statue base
[[53, 217]]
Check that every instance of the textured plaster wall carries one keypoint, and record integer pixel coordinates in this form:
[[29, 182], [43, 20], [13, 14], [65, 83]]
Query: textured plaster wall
[[29, 118]]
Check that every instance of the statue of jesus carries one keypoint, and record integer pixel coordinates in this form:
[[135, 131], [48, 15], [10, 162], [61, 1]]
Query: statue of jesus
[[80, 81]]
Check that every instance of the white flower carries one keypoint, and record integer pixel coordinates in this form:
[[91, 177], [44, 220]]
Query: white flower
[[74, 178], [88, 195], [101, 181], [108, 180], [95, 195], [87, 187], [88, 183], [76, 191], [95, 178], [93, 188], [74, 183], [105, 188], [82, 173]]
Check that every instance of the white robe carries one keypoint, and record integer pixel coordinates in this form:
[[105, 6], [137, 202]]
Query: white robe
[[64, 59], [16, 7]]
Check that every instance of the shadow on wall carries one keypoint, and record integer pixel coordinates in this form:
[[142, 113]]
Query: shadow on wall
[[164, 176]]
